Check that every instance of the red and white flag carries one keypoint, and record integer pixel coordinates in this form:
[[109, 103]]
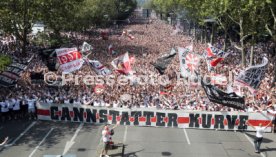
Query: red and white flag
[[214, 56], [185, 71], [86, 47], [192, 61], [122, 64], [70, 59], [99, 68]]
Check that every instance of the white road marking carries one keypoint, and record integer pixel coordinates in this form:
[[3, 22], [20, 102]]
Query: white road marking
[[187, 137], [100, 142], [125, 134], [41, 142], [70, 143], [250, 140], [23, 133]]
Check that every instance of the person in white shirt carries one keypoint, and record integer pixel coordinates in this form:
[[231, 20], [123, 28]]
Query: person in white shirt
[[272, 111], [259, 135], [96, 103], [11, 105], [66, 101], [31, 107], [116, 104], [4, 110], [16, 108], [9, 113], [106, 137]]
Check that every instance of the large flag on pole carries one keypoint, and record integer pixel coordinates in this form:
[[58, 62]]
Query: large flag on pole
[[12, 73], [214, 56], [122, 64], [86, 47], [99, 68], [70, 59], [162, 63], [227, 99], [182, 52], [252, 76]]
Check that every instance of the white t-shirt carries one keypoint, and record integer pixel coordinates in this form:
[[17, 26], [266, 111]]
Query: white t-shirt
[[12, 103], [106, 136], [49, 101], [96, 104], [67, 101], [115, 104], [31, 103], [4, 107], [7, 102], [271, 111], [16, 106], [260, 131]]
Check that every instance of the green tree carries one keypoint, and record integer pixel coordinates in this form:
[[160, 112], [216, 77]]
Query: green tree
[[60, 14], [17, 17]]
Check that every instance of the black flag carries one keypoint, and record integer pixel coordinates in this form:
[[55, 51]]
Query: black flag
[[227, 99], [162, 63], [12, 73]]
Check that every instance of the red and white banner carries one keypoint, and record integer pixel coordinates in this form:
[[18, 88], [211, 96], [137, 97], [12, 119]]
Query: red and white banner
[[70, 59], [154, 118], [122, 64]]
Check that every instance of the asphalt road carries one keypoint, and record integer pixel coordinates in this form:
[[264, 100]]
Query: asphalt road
[[53, 139]]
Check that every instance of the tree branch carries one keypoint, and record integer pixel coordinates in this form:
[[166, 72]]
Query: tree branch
[[233, 19], [268, 29], [244, 37], [235, 45], [273, 14]]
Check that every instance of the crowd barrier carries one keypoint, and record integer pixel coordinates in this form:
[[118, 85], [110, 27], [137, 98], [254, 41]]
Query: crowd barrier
[[154, 117]]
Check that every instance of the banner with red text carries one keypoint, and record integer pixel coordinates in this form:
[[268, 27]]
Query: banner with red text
[[70, 59]]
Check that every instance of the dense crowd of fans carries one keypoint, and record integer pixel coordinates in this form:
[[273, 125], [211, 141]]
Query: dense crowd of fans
[[151, 41]]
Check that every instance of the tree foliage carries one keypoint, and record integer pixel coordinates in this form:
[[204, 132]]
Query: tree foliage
[[18, 16], [249, 20]]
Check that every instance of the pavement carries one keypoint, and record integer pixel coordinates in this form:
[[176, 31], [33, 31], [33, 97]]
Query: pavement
[[54, 139]]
